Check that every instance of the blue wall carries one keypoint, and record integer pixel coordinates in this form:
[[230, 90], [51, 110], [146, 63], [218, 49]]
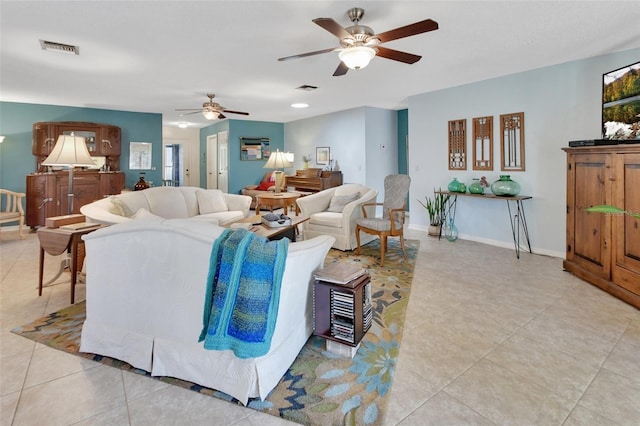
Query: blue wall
[[241, 173], [16, 122]]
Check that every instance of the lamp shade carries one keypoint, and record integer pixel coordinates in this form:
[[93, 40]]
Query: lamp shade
[[70, 150], [357, 57], [277, 160]]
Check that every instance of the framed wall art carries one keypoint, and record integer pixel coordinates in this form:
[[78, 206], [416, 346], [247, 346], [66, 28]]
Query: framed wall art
[[322, 155]]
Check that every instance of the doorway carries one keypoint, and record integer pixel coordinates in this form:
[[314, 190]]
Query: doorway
[[218, 161], [173, 164]]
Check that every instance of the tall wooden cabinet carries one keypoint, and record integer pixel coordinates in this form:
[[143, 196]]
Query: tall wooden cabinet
[[47, 190], [604, 249]]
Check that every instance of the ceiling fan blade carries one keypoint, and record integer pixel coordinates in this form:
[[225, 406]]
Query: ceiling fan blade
[[235, 112], [396, 55], [408, 30], [189, 113], [333, 27], [341, 70], [189, 109], [221, 116], [303, 55]]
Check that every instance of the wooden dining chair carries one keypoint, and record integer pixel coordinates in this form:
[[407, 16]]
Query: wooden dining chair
[[391, 224]]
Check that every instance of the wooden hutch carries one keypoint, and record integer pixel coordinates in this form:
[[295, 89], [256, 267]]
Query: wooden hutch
[[47, 189], [604, 249]]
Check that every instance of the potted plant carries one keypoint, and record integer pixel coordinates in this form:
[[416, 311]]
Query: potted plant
[[436, 208]]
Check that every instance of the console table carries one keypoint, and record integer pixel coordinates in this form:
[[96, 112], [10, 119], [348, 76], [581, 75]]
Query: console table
[[516, 219]]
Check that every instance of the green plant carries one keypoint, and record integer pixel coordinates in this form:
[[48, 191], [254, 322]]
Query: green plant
[[611, 210], [306, 158], [436, 207]]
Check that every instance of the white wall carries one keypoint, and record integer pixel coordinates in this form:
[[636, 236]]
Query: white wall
[[342, 132], [560, 103], [354, 137], [381, 144], [190, 139]]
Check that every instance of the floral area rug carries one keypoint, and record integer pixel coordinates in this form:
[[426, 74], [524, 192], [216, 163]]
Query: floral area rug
[[320, 388]]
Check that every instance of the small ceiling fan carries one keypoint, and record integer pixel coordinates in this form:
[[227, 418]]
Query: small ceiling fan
[[359, 44], [211, 110]]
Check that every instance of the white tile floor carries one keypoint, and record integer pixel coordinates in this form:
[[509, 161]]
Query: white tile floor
[[488, 339]]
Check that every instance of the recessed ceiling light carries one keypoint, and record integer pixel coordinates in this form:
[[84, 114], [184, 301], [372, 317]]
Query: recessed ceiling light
[[299, 105], [182, 125]]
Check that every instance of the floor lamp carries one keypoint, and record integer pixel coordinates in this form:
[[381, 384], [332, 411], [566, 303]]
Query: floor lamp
[[69, 151], [278, 160]]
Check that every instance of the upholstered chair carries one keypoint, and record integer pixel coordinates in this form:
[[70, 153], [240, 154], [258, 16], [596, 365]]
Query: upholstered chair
[[335, 211], [391, 224]]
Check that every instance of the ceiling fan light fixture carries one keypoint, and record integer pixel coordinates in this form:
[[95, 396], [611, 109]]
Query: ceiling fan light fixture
[[210, 115], [357, 57]]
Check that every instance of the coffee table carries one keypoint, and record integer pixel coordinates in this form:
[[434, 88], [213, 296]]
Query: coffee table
[[288, 231], [273, 200]]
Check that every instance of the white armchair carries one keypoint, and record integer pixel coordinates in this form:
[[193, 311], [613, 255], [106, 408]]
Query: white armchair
[[335, 212]]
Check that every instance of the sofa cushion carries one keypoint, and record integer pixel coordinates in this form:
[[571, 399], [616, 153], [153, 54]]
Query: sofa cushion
[[130, 202], [211, 201], [167, 202], [144, 214], [338, 202], [119, 207], [264, 186], [331, 219]]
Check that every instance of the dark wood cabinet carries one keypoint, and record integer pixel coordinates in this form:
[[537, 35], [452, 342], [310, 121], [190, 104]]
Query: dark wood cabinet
[[47, 193], [604, 249], [47, 190]]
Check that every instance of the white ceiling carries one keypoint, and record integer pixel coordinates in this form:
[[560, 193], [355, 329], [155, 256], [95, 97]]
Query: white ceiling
[[156, 56]]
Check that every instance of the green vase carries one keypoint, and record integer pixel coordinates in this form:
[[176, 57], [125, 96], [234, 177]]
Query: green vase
[[475, 187], [505, 187], [454, 185]]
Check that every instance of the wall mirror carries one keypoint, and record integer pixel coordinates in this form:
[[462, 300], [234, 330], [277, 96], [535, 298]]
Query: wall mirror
[[140, 155], [254, 148]]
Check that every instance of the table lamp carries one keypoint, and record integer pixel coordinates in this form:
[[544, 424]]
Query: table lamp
[[278, 160], [69, 151]]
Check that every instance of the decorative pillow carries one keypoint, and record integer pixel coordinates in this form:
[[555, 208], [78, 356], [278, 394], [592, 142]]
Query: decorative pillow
[[264, 186], [338, 202], [120, 208], [144, 214], [211, 201]]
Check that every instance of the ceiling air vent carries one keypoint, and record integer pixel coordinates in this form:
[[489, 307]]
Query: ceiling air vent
[[59, 47], [307, 87]]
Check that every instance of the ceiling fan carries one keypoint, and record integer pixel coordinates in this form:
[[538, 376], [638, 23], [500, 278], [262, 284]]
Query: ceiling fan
[[359, 44], [211, 110]]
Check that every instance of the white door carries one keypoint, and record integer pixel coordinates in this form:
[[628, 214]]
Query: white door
[[212, 162], [223, 161]]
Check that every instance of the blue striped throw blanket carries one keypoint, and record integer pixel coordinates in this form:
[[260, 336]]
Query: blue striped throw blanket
[[243, 293]]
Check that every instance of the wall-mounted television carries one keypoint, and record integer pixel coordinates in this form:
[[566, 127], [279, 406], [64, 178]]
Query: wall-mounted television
[[621, 104]]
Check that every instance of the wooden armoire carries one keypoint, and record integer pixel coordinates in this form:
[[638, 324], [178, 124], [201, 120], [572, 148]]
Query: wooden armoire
[[604, 249], [47, 190]]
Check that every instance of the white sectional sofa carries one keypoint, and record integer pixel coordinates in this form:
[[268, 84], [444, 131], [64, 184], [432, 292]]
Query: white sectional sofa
[[146, 282], [179, 202]]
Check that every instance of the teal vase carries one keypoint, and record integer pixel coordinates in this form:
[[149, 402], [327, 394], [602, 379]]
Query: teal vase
[[505, 187], [454, 185], [450, 231], [475, 187]]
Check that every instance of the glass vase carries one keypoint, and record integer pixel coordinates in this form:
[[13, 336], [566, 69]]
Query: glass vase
[[505, 187], [450, 231], [476, 187], [454, 185]]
